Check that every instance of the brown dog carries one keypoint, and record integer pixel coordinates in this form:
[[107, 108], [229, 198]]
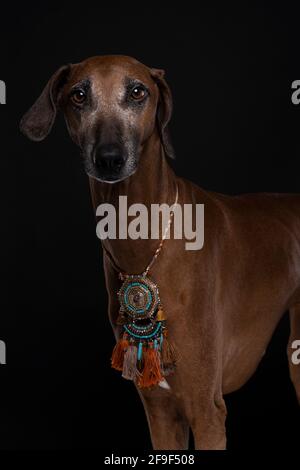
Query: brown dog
[[223, 302]]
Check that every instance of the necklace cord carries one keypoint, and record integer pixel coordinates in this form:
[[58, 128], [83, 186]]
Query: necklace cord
[[122, 273]]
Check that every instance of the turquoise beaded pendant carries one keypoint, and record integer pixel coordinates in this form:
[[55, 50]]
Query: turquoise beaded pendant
[[139, 302], [143, 353]]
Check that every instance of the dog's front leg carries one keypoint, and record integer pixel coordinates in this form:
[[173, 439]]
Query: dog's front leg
[[208, 424], [168, 426]]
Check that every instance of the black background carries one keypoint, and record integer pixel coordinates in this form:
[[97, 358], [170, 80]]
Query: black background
[[234, 130]]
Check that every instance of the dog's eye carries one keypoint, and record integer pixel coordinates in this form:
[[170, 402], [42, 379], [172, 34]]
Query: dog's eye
[[78, 96], [138, 93]]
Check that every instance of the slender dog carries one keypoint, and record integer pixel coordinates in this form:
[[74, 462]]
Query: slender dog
[[224, 301]]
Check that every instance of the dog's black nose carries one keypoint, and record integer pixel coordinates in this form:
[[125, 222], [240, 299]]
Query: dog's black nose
[[109, 158]]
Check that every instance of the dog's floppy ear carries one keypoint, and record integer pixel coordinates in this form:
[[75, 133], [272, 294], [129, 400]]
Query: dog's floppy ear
[[37, 123], [164, 110]]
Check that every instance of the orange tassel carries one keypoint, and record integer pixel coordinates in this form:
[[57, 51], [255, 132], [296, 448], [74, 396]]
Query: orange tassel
[[151, 373], [117, 357], [169, 356], [160, 316]]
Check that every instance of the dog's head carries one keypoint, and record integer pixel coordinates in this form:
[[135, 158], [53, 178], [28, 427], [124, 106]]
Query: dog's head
[[112, 105]]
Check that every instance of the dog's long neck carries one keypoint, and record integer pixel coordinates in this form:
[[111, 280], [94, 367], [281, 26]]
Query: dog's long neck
[[153, 183]]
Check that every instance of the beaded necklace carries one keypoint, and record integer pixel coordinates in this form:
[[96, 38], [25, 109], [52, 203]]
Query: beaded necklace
[[143, 353]]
